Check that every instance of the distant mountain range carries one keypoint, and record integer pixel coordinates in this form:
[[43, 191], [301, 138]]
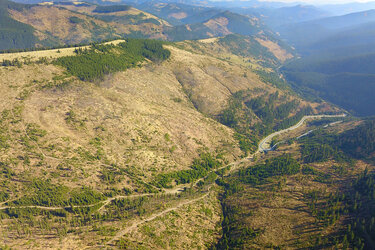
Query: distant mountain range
[[338, 58], [59, 23], [303, 34]]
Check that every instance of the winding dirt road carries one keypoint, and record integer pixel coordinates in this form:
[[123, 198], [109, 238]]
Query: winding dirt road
[[267, 140], [180, 188]]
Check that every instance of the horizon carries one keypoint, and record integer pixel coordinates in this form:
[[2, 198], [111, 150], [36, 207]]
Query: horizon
[[313, 2]]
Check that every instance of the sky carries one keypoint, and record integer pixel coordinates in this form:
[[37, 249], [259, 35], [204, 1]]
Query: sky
[[309, 1], [320, 1]]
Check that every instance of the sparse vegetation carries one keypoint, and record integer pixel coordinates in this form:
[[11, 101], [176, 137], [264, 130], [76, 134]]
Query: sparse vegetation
[[111, 162], [253, 118], [200, 168]]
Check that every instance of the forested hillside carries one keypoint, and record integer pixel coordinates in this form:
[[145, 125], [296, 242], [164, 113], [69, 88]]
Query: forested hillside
[[64, 23], [356, 143], [304, 34], [337, 54], [359, 142], [347, 82], [14, 34], [221, 24]]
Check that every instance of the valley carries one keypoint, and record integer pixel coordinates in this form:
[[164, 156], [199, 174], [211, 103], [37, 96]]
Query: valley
[[157, 124]]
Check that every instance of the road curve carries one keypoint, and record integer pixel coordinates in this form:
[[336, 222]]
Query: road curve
[[261, 146]]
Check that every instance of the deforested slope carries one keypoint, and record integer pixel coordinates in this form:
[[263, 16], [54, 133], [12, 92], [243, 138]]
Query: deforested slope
[[82, 159]]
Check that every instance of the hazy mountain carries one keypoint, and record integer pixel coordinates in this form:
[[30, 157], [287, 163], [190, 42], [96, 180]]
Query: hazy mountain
[[178, 13], [294, 14], [303, 34], [343, 9]]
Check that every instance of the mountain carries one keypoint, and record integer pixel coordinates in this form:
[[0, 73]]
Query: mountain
[[222, 24], [14, 34], [304, 34], [337, 54], [275, 18], [64, 23], [178, 13], [347, 8], [94, 145], [357, 40], [227, 140]]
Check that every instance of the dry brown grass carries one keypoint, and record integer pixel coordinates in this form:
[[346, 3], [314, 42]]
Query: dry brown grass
[[136, 109], [275, 49], [218, 26], [194, 226], [210, 81], [56, 22]]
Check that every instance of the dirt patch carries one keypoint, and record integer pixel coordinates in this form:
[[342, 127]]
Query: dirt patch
[[275, 49], [178, 15], [218, 26]]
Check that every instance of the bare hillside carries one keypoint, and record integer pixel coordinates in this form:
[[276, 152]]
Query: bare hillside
[[117, 137]]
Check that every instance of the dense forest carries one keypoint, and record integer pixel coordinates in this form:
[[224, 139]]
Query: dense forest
[[47, 194], [99, 60], [14, 34], [347, 82], [359, 142], [279, 166]]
